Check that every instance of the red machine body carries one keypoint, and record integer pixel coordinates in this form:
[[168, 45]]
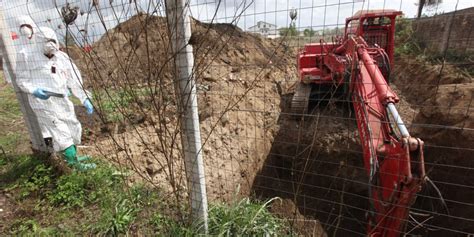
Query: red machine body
[[360, 62], [376, 27]]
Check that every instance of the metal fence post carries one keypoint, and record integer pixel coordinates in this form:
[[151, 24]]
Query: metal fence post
[[8, 51], [180, 29]]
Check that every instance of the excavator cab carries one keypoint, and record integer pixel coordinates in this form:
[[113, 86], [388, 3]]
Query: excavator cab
[[376, 27]]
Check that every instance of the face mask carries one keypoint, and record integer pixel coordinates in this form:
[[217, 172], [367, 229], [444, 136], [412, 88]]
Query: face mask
[[50, 48], [26, 32]]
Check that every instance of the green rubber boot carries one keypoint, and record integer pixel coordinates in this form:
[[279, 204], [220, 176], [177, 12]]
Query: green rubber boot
[[69, 155], [83, 158], [83, 167], [73, 161]]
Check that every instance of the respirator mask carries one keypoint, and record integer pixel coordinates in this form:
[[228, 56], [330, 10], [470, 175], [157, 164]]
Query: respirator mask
[[50, 48], [26, 31]]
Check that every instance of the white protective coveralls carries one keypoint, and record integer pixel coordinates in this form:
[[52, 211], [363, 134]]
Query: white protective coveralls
[[55, 115], [25, 45]]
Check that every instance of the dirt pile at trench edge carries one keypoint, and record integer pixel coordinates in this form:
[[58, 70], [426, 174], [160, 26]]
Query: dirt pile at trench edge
[[443, 96], [239, 76]]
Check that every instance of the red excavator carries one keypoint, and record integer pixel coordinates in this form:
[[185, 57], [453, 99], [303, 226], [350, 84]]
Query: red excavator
[[359, 64]]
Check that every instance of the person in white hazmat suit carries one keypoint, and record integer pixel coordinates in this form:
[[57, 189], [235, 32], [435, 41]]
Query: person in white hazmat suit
[[46, 74], [26, 44]]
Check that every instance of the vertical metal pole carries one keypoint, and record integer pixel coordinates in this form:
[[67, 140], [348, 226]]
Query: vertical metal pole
[[180, 30], [8, 52]]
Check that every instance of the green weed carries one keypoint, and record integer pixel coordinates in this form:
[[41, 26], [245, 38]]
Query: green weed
[[240, 218], [39, 180], [406, 42], [166, 226], [116, 105], [17, 171], [101, 202], [70, 191], [81, 188], [3, 160], [244, 218], [118, 220], [30, 227]]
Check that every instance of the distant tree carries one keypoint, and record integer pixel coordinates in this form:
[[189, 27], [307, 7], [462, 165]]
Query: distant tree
[[309, 32], [332, 31], [289, 31], [428, 3]]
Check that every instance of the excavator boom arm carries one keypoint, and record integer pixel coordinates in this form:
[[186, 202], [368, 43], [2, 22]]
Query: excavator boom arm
[[393, 159]]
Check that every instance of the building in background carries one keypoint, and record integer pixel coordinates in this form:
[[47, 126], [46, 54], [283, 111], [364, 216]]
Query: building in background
[[265, 29]]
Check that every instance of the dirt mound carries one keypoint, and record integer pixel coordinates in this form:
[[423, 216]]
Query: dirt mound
[[240, 79], [443, 95]]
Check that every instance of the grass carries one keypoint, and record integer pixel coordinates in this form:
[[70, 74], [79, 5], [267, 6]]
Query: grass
[[244, 218], [9, 107], [97, 202], [101, 202], [10, 140], [116, 104], [12, 130]]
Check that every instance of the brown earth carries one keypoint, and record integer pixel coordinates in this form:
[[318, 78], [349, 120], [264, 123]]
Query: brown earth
[[443, 95], [6, 209], [239, 78]]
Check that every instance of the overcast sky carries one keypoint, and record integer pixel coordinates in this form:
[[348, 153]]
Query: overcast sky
[[317, 14]]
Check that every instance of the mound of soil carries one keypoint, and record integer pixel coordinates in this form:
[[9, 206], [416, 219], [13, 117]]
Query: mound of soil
[[240, 78], [443, 95]]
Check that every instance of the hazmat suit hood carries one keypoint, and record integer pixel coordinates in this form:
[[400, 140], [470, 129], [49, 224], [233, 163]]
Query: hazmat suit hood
[[46, 41], [35, 54], [27, 29]]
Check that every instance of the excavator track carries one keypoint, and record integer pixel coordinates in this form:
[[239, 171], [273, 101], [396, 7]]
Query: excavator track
[[300, 101]]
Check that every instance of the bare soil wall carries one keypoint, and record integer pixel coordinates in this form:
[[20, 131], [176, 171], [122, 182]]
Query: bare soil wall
[[239, 77]]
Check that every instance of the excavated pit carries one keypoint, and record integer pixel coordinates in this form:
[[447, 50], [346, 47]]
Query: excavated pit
[[316, 164]]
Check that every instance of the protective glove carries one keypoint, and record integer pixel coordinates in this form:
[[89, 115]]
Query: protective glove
[[39, 93], [89, 107]]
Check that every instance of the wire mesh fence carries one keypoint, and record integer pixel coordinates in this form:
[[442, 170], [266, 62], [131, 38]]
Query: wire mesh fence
[[247, 71]]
